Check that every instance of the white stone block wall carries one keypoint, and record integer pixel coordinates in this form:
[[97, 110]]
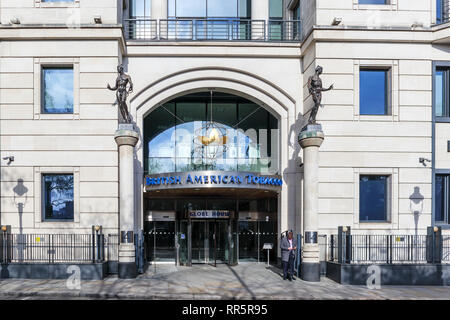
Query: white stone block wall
[[82, 144]]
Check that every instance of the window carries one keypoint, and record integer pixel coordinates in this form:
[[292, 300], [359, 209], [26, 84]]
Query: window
[[58, 197], [296, 12], [441, 92], [140, 8], [441, 199], [276, 27], [172, 131], [442, 8], [57, 90], [373, 2], [209, 8], [276, 9], [374, 92], [374, 198]]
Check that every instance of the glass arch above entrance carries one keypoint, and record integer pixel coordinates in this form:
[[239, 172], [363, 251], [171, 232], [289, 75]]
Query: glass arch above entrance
[[204, 131]]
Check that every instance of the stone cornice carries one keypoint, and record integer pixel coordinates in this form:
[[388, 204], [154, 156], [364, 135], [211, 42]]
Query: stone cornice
[[63, 32], [436, 34]]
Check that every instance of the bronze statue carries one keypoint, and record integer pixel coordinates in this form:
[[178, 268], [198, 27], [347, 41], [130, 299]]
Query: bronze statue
[[315, 89], [122, 92]]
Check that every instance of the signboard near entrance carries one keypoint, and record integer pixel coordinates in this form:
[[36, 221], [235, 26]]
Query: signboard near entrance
[[210, 214]]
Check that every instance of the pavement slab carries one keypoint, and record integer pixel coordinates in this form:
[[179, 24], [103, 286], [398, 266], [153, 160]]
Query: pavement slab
[[250, 281]]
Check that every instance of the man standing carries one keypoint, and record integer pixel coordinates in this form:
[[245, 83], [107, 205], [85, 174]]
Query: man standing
[[288, 247]]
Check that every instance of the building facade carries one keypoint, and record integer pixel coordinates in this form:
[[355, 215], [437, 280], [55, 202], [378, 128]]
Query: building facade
[[219, 97]]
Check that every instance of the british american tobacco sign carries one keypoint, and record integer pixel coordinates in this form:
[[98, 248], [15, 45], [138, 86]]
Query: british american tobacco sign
[[212, 179]]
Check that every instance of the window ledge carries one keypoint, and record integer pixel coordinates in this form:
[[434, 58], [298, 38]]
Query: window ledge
[[57, 116], [376, 117], [443, 226], [442, 119], [60, 4], [382, 7], [374, 226]]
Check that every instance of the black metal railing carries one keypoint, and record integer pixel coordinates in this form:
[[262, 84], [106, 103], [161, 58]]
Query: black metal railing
[[446, 248], [442, 12], [233, 29], [112, 247], [346, 248], [284, 30], [56, 248]]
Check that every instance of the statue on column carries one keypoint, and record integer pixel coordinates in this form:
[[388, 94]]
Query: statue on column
[[315, 89], [122, 82]]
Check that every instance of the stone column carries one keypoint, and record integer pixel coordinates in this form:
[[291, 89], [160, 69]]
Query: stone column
[[126, 138], [310, 139]]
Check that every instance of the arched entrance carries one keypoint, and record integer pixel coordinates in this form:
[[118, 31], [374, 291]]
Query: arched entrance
[[212, 180]]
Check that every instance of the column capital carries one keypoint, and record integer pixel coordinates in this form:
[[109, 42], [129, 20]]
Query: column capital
[[126, 135], [311, 136]]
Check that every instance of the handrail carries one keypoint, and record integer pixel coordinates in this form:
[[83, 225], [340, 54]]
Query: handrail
[[220, 29]]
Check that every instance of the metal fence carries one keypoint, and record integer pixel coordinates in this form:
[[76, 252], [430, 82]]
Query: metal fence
[[388, 249], [112, 247], [232, 29], [446, 249], [56, 248]]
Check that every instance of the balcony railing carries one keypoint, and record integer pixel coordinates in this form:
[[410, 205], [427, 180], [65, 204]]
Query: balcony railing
[[212, 30]]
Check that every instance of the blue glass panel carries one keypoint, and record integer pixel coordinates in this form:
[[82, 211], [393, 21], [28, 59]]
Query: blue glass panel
[[276, 9], [171, 8], [58, 196], [58, 90], [440, 93], [220, 8], [191, 8], [439, 11], [140, 8], [439, 215], [244, 8], [373, 198], [373, 2], [373, 92]]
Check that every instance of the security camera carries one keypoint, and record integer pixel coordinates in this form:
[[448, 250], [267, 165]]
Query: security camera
[[423, 160], [10, 159]]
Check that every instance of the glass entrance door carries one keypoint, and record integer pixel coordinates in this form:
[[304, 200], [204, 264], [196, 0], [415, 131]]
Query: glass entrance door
[[218, 241], [199, 242], [160, 241], [210, 241]]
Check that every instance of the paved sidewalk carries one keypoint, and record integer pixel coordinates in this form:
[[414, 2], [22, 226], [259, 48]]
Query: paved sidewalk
[[245, 281]]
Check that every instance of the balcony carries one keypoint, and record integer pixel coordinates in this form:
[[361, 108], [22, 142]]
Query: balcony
[[212, 30]]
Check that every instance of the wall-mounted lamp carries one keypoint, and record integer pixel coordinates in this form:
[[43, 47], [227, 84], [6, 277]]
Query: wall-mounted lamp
[[336, 21], [10, 159], [98, 19], [423, 160]]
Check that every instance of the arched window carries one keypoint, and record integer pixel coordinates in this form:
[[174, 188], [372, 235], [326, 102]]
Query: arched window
[[196, 133]]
